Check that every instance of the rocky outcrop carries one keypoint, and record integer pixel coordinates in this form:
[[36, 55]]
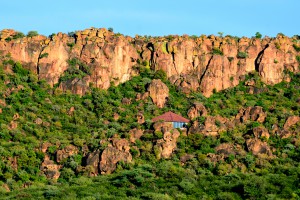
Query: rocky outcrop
[[92, 160], [159, 92], [212, 126], [255, 113], [227, 149], [65, 153], [261, 132], [197, 110], [203, 64], [114, 154], [256, 146], [135, 134], [292, 120], [50, 169], [167, 145], [106, 162]]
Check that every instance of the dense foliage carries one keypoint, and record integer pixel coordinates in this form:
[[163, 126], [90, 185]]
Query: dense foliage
[[24, 99]]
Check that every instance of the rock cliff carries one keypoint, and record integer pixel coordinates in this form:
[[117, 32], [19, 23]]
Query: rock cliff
[[205, 63]]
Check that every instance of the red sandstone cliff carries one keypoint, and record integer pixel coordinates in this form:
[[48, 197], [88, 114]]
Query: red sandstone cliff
[[203, 63]]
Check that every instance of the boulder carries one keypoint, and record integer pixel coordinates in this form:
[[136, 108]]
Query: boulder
[[168, 144], [197, 110], [135, 134], [292, 120], [260, 132], [93, 160], [255, 113], [50, 169], [158, 92], [66, 152], [256, 146]]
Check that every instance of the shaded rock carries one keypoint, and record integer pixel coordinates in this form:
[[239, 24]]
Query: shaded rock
[[260, 132], [93, 160], [158, 92], [45, 146], [212, 126], [140, 118], [38, 121], [135, 134], [167, 145], [256, 146], [16, 116], [186, 157], [110, 157], [66, 152], [162, 126], [197, 110], [255, 113], [50, 169], [226, 149], [71, 110], [126, 101]]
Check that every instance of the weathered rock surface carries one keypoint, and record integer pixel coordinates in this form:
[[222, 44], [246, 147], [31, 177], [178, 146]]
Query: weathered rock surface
[[292, 120], [261, 132], [255, 113], [197, 110], [167, 145], [65, 153], [50, 169], [256, 146], [159, 92], [189, 63], [212, 126]]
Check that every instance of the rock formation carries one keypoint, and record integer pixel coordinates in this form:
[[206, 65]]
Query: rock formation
[[159, 92], [204, 64]]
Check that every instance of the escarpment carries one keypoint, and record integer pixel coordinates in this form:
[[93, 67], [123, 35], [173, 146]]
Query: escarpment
[[101, 58]]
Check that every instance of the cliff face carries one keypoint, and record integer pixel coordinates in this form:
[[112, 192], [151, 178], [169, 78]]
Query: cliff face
[[204, 63]]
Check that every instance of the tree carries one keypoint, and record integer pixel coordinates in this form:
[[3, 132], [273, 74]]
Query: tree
[[32, 33], [258, 35]]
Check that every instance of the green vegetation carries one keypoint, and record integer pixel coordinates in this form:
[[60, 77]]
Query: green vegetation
[[258, 35], [239, 176], [296, 47], [242, 54], [217, 51], [32, 33]]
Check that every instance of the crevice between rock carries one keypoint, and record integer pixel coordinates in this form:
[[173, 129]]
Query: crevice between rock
[[206, 68], [259, 58]]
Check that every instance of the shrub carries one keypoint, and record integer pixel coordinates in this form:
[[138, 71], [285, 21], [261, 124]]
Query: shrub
[[296, 47], [18, 35], [242, 54], [43, 55], [298, 59], [217, 51], [258, 35], [110, 29], [32, 33]]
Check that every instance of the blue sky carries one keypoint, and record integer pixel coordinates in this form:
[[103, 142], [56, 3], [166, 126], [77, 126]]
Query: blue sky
[[156, 17]]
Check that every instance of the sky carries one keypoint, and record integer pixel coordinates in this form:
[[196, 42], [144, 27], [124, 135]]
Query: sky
[[155, 17]]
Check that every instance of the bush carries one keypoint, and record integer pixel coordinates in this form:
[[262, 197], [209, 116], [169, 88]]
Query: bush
[[217, 51], [18, 35], [258, 35], [242, 54], [32, 33]]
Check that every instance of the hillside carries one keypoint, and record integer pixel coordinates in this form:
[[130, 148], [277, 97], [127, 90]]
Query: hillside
[[63, 135]]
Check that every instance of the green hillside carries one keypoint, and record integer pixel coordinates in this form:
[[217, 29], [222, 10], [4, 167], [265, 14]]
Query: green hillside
[[32, 114]]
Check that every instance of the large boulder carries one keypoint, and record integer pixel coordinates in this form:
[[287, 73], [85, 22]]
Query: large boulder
[[197, 110], [50, 169], [168, 144], [256, 146], [66, 152], [292, 120], [255, 113], [159, 92]]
